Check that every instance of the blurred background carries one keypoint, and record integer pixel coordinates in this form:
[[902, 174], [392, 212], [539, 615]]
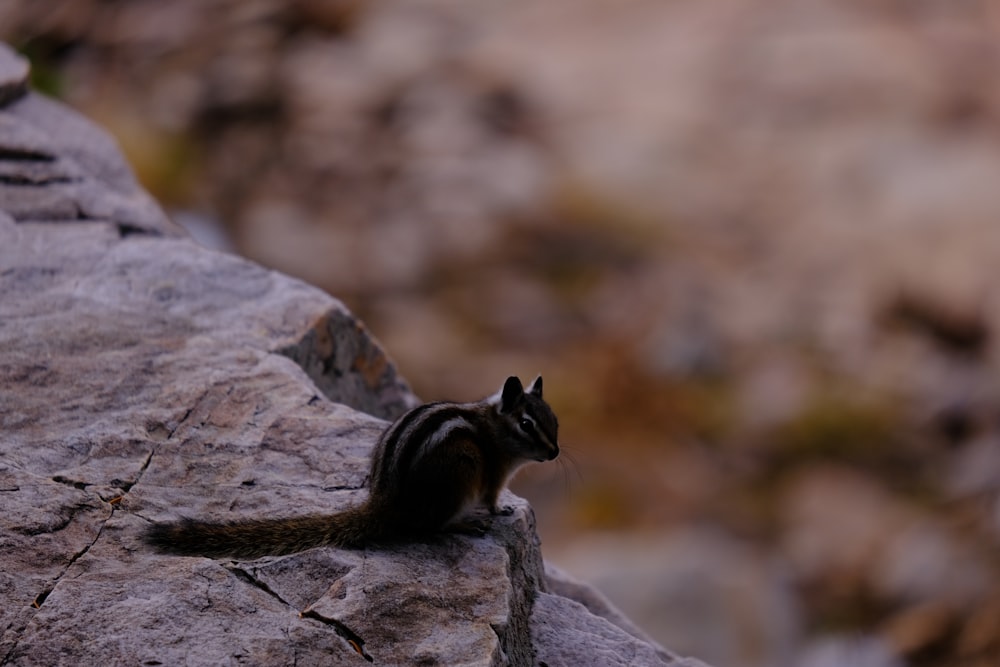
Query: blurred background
[[751, 245]]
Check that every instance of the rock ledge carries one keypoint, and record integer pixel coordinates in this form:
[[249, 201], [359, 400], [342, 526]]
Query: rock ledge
[[143, 377]]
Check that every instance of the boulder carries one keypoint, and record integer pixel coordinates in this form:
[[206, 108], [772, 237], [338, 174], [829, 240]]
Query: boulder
[[144, 377]]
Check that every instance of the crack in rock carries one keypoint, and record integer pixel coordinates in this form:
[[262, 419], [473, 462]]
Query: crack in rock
[[13, 154], [126, 230], [351, 637], [187, 414], [42, 596], [356, 642], [142, 471], [243, 575], [76, 484], [83, 552]]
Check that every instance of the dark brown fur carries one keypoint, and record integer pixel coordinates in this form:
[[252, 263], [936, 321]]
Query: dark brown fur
[[427, 467]]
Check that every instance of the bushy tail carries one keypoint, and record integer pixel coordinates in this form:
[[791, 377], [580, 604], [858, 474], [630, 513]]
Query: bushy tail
[[244, 540]]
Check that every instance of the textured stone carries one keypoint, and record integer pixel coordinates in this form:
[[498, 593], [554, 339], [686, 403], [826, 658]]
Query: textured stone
[[142, 378], [13, 74], [56, 165]]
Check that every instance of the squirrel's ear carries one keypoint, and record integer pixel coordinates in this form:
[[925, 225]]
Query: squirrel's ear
[[535, 387], [512, 390]]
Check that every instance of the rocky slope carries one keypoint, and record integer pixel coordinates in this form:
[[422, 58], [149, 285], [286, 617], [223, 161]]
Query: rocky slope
[[143, 377]]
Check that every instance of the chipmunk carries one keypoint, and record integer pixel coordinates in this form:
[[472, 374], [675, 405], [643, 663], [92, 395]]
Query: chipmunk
[[428, 468]]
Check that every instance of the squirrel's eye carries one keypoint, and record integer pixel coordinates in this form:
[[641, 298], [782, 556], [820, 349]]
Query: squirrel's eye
[[527, 425]]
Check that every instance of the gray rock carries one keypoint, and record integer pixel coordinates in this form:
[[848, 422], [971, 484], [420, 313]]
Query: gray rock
[[573, 624], [855, 651], [694, 588], [56, 165], [143, 377], [13, 75]]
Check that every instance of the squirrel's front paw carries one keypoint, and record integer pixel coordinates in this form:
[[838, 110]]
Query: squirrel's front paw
[[504, 510]]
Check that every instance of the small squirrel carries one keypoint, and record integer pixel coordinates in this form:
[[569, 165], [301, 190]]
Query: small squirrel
[[428, 468]]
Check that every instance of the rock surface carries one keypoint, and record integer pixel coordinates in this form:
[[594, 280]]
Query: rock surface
[[143, 377]]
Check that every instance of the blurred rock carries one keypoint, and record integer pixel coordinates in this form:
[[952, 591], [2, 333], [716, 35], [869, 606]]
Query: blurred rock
[[919, 628], [975, 468], [842, 527], [14, 70], [853, 651], [695, 588]]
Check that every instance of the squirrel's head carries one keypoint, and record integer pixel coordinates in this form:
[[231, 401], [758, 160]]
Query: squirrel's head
[[533, 427]]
